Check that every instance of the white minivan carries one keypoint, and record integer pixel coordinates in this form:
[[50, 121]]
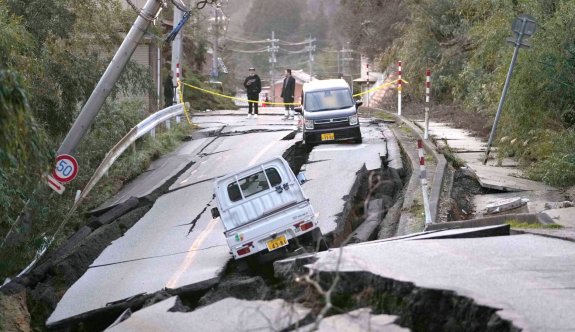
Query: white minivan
[[263, 209]]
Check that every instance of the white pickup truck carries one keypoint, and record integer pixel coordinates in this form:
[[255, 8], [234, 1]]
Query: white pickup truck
[[264, 209]]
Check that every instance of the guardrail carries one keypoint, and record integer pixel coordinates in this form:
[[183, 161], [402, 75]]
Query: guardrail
[[142, 128]]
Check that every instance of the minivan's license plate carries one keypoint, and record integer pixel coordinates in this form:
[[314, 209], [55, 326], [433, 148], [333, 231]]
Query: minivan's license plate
[[327, 137], [277, 243]]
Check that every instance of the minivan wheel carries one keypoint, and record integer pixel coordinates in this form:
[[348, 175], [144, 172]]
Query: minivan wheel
[[306, 141]]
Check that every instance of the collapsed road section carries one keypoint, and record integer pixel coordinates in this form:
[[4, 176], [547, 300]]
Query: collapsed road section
[[344, 161], [158, 253], [160, 257], [454, 280]]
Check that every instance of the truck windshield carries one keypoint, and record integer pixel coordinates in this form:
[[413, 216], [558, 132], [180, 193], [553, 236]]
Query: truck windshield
[[325, 100], [253, 184]]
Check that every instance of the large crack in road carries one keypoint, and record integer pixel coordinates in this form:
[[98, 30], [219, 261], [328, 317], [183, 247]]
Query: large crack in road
[[238, 284], [45, 277], [297, 156]]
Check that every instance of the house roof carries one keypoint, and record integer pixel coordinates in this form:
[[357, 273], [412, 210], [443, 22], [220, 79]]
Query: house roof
[[299, 75]]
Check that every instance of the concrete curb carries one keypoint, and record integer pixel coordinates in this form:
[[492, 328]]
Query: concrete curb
[[530, 218], [413, 184], [406, 223], [440, 168]]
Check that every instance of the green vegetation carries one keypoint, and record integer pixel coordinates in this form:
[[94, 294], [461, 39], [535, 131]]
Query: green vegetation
[[463, 42], [450, 156], [519, 224], [200, 100], [417, 210], [52, 54], [464, 45]]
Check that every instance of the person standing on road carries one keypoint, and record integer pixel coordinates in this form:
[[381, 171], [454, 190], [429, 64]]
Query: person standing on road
[[253, 86], [169, 91], [288, 91]]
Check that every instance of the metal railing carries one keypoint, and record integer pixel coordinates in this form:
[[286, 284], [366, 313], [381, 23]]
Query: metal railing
[[145, 126], [142, 128]]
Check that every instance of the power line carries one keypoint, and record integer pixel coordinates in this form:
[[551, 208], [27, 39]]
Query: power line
[[261, 50], [263, 41], [304, 50], [245, 41], [285, 43]]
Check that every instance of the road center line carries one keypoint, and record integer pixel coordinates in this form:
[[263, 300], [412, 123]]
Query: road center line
[[261, 153], [188, 261], [190, 257]]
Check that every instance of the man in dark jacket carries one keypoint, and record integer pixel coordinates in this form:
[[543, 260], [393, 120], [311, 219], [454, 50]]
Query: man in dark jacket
[[169, 90], [288, 92], [253, 86]]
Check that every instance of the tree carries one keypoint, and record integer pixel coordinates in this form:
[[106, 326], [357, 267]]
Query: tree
[[370, 25], [284, 17], [72, 45]]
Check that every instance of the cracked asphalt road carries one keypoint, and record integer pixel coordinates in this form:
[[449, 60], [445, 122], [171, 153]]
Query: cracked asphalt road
[[176, 244]]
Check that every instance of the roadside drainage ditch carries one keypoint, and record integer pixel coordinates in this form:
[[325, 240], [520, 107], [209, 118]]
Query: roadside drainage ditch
[[465, 186]]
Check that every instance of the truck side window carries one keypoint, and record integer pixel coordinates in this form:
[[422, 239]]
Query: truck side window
[[234, 192], [273, 176], [253, 184]]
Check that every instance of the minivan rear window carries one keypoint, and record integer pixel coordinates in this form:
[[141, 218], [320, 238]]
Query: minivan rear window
[[330, 99], [253, 184]]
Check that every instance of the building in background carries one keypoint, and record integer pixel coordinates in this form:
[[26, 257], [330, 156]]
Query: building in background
[[300, 78]]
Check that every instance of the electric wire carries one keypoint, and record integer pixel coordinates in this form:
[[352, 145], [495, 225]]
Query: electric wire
[[261, 50], [140, 11]]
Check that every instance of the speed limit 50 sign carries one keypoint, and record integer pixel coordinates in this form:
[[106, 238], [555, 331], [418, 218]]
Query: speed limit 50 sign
[[66, 168]]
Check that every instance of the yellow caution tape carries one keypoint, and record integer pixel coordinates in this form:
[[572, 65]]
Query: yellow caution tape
[[181, 93], [276, 103], [236, 98], [378, 87]]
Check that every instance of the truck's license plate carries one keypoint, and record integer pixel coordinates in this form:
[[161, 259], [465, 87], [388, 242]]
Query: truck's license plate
[[327, 137], [278, 242]]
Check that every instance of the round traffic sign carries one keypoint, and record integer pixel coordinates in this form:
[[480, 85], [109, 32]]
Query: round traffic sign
[[66, 168]]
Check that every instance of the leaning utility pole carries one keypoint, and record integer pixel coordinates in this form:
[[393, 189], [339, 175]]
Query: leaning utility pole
[[110, 77], [214, 73], [272, 59], [176, 52]]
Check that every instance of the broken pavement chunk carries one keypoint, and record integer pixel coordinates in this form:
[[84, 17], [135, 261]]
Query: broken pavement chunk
[[226, 315], [358, 320], [505, 204]]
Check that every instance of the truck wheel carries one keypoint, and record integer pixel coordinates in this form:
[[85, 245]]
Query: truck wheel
[[242, 266]]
